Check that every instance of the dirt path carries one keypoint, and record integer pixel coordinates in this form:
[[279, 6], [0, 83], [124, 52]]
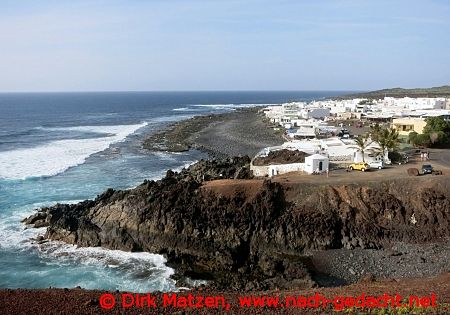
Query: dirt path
[[441, 156], [342, 176]]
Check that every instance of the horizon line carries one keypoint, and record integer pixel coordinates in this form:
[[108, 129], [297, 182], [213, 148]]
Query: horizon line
[[172, 91]]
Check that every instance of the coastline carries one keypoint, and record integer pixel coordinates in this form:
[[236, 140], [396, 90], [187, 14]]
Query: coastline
[[237, 133], [220, 135], [236, 231]]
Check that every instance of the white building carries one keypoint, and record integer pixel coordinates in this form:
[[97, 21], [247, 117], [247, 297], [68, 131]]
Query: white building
[[316, 163], [284, 114], [336, 149], [313, 163], [290, 115], [415, 103], [316, 113], [276, 169]]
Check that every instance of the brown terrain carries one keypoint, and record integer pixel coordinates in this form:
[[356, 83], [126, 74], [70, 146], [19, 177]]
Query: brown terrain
[[78, 301]]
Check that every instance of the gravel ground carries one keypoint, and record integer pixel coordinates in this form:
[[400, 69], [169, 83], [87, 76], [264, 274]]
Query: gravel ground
[[242, 132], [344, 266], [238, 133], [80, 302]]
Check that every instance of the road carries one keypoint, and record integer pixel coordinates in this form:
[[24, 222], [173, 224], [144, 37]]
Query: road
[[441, 156]]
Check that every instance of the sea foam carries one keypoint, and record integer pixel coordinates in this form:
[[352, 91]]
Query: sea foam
[[113, 269], [14, 234], [139, 272], [55, 157], [229, 106]]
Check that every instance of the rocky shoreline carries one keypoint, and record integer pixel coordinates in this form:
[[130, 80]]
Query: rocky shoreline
[[214, 221], [255, 234]]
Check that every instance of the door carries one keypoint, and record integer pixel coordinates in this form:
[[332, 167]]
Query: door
[[320, 166]]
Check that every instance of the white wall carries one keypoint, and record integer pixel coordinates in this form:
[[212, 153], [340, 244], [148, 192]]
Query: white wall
[[357, 157], [278, 169], [259, 171], [311, 165]]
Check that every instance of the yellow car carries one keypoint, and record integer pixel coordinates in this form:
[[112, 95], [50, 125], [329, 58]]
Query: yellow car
[[361, 166]]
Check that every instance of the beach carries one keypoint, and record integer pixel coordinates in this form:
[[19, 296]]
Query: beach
[[240, 132]]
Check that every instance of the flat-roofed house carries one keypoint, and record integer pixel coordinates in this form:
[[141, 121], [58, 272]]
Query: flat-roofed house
[[316, 163], [406, 125]]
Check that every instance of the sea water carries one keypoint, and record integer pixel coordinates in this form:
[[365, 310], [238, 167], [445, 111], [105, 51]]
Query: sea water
[[67, 147]]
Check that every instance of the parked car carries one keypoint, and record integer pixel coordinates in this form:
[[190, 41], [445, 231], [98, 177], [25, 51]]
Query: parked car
[[361, 166], [344, 133], [398, 158], [376, 164], [427, 169]]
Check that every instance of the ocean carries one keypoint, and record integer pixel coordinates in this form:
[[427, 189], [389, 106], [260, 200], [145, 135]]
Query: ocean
[[67, 147]]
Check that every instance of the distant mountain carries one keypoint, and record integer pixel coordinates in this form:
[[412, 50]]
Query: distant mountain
[[441, 91]]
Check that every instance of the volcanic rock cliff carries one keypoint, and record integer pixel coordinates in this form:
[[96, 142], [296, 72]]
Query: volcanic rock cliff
[[254, 237]]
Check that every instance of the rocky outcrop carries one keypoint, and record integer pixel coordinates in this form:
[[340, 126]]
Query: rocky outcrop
[[281, 157], [202, 234], [248, 242], [413, 171], [227, 168]]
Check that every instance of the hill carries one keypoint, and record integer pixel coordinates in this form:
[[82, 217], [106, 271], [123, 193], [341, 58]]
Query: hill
[[442, 91]]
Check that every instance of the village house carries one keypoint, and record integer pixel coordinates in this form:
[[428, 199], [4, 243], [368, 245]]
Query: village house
[[312, 163], [320, 152], [408, 124]]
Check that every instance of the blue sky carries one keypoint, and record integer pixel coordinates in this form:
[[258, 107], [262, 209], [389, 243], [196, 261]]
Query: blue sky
[[223, 45]]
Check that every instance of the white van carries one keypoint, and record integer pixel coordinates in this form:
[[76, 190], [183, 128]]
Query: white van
[[376, 164]]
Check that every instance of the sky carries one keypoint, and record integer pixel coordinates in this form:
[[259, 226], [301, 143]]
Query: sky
[[177, 45]]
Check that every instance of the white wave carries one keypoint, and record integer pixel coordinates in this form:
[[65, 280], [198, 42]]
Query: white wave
[[136, 269], [131, 271], [215, 105], [173, 118], [13, 234], [185, 165], [108, 130], [95, 255], [230, 106], [164, 156], [57, 156], [190, 109]]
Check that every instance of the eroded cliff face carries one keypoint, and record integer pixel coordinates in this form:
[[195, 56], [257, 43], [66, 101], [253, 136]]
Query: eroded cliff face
[[368, 217], [250, 241]]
